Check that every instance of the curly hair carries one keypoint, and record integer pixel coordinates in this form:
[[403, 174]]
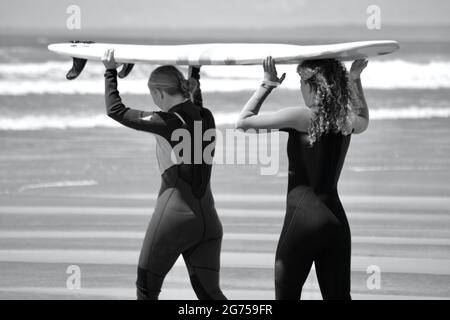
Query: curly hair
[[328, 81]]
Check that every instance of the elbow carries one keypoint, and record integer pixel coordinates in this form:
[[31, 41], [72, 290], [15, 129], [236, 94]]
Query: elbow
[[109, 112], [112, 114], [366, 125], [241, 125], [362, 126]]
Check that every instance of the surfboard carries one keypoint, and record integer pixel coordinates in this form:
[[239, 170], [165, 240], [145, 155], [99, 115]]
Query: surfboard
[[219, 53]]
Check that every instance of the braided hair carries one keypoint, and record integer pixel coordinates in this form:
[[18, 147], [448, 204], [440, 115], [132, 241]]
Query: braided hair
[[169, 79]]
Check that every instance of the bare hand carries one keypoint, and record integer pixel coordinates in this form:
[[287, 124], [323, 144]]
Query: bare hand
[[357, 67], [108, 59], [270, 71]]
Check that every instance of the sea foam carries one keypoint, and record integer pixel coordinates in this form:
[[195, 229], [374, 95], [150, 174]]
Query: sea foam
[[49, 77]]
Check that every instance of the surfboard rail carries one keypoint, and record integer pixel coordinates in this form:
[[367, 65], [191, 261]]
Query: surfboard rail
[[218, 53]]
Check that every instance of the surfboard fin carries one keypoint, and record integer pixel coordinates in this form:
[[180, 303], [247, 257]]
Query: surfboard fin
[[77, 66], [126, 69]]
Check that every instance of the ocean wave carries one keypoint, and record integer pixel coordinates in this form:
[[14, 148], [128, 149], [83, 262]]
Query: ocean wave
[[396, 168], [56, 70], [40, 122], [58, 184], [411, 112], [49, 77]]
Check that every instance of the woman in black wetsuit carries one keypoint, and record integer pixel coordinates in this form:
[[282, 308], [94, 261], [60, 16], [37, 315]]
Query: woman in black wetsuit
[[315, 227], [185, 221]]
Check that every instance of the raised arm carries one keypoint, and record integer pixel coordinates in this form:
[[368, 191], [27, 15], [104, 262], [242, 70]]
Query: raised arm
[[194, 72], [249, 118], [160, 123], [360, 110]]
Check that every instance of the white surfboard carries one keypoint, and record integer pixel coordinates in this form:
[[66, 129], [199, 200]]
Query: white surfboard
[[223, 53]]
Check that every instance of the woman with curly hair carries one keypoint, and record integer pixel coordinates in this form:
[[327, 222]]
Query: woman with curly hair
[[315, 227]]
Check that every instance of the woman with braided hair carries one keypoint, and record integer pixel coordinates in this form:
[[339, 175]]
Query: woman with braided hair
[[315, 227], [185, 221]]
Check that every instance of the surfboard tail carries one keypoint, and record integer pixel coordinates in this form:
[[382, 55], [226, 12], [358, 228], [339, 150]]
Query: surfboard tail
[[77, 66], [126, 69]]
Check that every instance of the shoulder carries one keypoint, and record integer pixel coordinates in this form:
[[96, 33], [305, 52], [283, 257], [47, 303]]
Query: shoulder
[[297, 118], [170, 119], [208, 117], [206, 112], [163, 115], [297, 111]]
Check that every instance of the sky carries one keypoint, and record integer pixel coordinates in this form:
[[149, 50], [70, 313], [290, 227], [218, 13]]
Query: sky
[[225, 14]]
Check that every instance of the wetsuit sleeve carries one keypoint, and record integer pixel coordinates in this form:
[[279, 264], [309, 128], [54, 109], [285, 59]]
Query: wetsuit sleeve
[[197, 96], [161, 123]]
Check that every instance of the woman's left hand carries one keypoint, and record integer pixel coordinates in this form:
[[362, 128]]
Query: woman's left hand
[[108, 59], [357, 67]]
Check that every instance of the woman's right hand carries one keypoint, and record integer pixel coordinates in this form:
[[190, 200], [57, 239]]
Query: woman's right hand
[[108, 59], [270, 71]]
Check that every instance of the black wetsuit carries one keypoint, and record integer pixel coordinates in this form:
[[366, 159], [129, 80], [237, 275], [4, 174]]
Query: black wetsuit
[[315, 227], [185, 221]]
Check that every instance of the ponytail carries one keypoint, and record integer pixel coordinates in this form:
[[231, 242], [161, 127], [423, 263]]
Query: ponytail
[[188, 87], [171, 80]]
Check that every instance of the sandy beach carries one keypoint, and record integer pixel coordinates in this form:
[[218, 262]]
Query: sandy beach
[[78, 198]]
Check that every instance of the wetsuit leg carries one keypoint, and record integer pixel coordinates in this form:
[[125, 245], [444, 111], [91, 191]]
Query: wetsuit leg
[[308, 228], [203, 257], [182, 224], [172, 229], [154, 263], [203, 263], [148, 284], [294, 257], [333, 264]]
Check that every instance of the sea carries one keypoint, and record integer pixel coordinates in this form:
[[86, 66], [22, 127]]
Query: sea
[[413, 83]]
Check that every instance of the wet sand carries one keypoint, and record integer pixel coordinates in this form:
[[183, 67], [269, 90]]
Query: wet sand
[[77, 197]]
